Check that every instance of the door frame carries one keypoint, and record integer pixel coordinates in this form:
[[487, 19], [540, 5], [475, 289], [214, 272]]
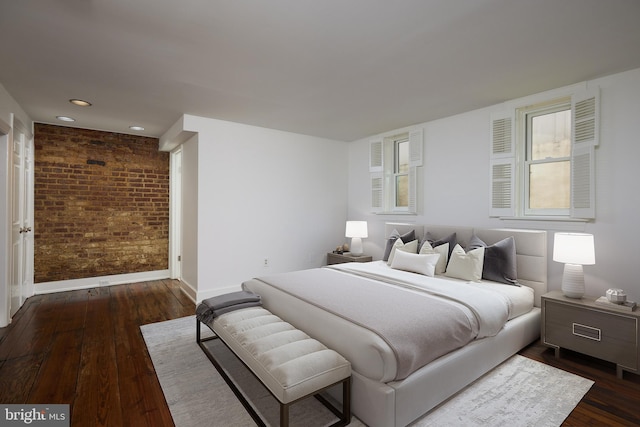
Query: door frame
[[175, 214], [6, 139], [27, 286]]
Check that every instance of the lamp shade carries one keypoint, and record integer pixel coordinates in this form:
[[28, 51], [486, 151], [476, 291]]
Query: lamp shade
[[574, 248], [356, 229]]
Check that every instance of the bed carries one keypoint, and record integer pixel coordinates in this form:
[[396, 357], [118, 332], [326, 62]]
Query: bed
[[395, 382]]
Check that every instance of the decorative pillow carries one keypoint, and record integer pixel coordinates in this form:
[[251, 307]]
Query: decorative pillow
[[415, 263], [499, 260], [407, 237], [390, 241], [411, 247], [466, 265], [451, 239], [442, 250]]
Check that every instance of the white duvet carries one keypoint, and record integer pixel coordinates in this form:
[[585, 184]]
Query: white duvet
[[518, 299]]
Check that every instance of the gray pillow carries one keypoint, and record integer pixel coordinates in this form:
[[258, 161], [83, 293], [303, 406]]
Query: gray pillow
[[499, 260], [409, 236], [451, 239]]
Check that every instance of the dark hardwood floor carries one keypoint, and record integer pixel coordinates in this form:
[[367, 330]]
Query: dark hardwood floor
[[84, 348]]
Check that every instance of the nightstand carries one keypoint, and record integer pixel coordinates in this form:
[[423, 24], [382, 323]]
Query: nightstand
[[581, 325], [334, 258]]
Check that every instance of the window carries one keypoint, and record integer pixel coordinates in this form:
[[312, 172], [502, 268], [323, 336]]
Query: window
[[401, 173], [547, 159], [542, 159], [394, 163]]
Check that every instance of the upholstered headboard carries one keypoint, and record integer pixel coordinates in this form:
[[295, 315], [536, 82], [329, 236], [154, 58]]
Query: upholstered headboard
[[531, 248]]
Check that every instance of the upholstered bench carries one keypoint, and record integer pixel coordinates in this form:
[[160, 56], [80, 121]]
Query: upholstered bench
[[290, 364]]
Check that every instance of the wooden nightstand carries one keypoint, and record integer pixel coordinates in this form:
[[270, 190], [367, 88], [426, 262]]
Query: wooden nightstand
[[333, 258], [581, 325]]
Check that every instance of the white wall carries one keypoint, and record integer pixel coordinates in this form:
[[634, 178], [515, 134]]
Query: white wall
[[456, 184], [9, 109], [262, 194]]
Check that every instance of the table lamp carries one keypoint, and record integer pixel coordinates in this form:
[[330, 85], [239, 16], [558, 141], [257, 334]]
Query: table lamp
[[357, 230], [574, 250]]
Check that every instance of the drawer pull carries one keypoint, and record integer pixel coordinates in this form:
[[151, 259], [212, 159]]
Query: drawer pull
[[586, 332]]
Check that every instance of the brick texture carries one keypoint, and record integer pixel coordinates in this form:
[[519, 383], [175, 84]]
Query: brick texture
[[101, 204]]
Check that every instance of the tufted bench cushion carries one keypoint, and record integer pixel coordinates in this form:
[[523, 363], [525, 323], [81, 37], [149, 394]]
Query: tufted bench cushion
[[286, 360]]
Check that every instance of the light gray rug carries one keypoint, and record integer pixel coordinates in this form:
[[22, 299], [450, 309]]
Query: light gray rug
[[519, 392]]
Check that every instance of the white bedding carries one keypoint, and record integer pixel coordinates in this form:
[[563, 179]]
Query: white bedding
[[519, 299]]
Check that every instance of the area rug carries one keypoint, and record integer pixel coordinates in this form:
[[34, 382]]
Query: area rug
[[519, 392]]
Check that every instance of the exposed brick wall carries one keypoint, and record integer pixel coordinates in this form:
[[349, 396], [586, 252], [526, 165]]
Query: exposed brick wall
[[101, 204]]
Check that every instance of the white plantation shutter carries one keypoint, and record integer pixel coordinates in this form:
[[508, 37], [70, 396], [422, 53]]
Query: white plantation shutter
[[502, 188], [502, 165], [502, 135], [375, 156], [377, 194], [413, 190], [376, 163], [585, 118], [583, 182], [415, 148], [585, 109]]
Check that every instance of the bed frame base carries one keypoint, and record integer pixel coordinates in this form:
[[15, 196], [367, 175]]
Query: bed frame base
[[400, 403]]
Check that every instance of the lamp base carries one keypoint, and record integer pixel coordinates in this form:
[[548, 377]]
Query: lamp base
[[573, 281], [356, 246]]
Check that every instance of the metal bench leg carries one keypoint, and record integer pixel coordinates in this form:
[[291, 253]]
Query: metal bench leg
[[284, 415], [346, 400]]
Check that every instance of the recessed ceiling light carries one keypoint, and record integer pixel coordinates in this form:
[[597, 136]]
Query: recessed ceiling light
[[80, 102], [66, 119], [136, 128]]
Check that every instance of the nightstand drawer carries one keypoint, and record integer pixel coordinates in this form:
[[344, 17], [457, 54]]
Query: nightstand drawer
[[605, 335]]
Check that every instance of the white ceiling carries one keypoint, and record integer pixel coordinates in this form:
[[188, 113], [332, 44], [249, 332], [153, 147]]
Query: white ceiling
[[341, 69]]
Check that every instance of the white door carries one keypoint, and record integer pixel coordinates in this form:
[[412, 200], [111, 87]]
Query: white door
[[21, 277]]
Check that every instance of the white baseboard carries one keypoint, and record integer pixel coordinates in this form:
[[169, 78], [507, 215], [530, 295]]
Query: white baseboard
[[197, 297], [95, 282], [121, 279], [188, 290]]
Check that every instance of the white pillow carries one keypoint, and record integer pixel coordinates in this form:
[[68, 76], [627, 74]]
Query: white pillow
[[416, 263], [442, 250], [466, 265], [411, 247]]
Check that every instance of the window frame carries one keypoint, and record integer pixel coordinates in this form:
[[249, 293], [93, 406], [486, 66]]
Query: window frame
[[395, 173], [524, 161], [382, 160]]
